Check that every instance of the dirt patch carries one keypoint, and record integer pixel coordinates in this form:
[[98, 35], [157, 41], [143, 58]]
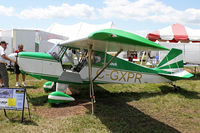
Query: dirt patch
[[53, 112]]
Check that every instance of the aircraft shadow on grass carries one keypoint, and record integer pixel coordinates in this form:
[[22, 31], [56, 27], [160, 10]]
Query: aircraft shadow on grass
[[118, 116], [38, 100], [32, 87], [25, 122], [184, 92], [114, 112], [126, 118]]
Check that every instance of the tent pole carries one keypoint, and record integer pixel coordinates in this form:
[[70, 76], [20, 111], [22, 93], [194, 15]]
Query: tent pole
[[90, 76]]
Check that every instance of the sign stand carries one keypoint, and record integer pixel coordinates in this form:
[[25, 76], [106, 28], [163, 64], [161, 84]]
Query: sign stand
[[23, 105], [14, 99], [25, 99], [5, 112]]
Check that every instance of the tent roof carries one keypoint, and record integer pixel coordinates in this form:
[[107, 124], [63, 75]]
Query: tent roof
[[47, 35], [175, 33], [79, 30]]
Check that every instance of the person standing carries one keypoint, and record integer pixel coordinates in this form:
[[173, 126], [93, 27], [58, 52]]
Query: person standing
[[3, 58], [17, 71]]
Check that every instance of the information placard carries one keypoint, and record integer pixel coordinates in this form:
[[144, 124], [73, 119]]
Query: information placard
[[12, 98]]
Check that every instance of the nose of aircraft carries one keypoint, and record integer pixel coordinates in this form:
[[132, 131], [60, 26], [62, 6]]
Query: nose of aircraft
[[33, 61]]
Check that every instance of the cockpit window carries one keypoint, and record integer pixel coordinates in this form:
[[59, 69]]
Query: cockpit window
[[57, 52], [70, 58]]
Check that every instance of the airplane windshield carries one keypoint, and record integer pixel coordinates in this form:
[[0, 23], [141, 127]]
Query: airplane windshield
[[53, 48], [70, 58], [57, 51]]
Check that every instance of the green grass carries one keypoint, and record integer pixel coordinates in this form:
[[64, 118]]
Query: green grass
[[119, 108]]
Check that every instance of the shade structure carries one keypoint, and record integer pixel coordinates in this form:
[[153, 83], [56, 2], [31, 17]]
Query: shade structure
[[79, 30], [175, 33]]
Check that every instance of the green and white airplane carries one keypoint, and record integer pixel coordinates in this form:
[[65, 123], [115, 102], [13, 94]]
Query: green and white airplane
[[97, 66]]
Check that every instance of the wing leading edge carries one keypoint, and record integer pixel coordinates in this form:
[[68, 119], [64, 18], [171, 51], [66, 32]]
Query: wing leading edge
[[113, 40]]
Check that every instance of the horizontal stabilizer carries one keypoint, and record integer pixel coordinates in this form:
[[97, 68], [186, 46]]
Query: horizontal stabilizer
[[177, 76], [172, 67]]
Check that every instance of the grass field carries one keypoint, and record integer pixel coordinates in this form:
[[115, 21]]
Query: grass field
[[142, 108]]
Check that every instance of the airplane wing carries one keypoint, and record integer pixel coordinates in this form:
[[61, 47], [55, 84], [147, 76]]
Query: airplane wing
[[113, 40]]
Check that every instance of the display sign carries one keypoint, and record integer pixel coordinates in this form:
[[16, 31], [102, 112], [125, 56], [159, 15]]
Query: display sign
[[12, 98]]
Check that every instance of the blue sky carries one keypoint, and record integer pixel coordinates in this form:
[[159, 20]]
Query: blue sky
[[138, 16]]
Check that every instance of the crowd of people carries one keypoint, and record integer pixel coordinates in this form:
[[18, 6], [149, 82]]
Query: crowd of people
[[4, 79]]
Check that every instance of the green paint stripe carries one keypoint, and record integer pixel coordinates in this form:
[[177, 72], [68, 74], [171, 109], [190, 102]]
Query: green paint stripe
[[57, 101], [37, 55], [133, 71], [35, 58], [48, 77], [174, 65], [40, 74], [171, 55], [123, 65]]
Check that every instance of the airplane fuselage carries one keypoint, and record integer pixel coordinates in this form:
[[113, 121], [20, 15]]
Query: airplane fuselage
[[43, 66]]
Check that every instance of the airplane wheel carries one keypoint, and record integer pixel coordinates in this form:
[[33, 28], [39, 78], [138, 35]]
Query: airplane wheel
[[49, 86], [57, 97]]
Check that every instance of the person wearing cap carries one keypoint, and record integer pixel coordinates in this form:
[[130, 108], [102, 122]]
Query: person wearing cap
[[3, 58], [17, 71]]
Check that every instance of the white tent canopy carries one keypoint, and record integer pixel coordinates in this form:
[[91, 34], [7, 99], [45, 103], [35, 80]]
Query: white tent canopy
[[79, 30], [46, 35]]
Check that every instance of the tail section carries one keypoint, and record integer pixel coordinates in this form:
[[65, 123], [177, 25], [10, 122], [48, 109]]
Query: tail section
[[173, 62], [172, 66]]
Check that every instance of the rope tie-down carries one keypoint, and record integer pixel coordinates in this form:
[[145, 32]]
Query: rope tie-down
[[91, 79]]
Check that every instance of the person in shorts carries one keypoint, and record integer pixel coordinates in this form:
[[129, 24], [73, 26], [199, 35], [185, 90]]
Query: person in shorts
[[16, 68]]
